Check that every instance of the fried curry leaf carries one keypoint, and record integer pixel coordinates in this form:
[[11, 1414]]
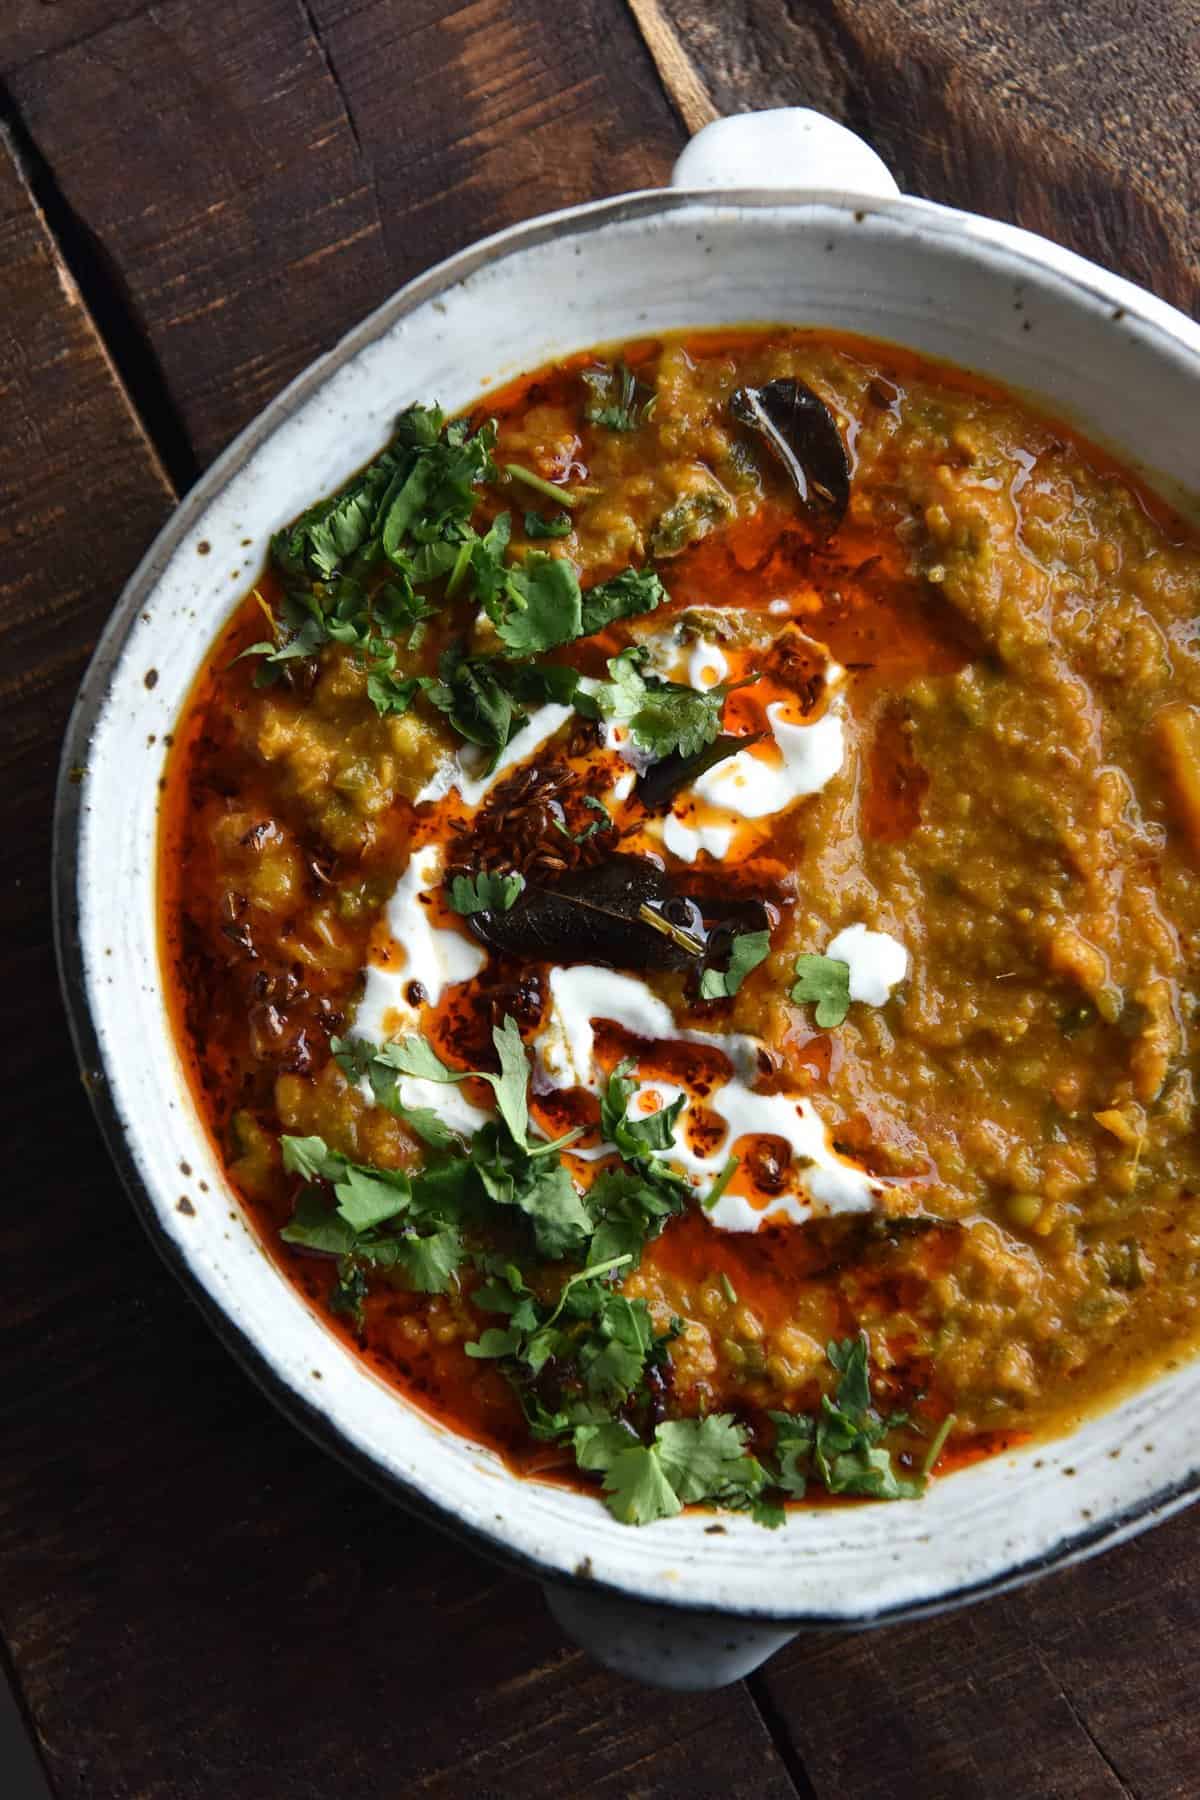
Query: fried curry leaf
[[748, 949], [801, 433], [485, 892], [589, 915], [658, 785], [825, 982]]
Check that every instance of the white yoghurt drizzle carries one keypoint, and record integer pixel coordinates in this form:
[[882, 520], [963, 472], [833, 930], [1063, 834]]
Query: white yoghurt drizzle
[[877, 961], [456, 772], [565, 1052], [746, 786], [436, 958]]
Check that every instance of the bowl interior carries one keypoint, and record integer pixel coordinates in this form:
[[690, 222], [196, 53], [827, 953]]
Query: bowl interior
[[1121, 366]]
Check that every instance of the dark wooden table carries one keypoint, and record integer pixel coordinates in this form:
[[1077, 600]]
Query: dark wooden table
[[195, 198]]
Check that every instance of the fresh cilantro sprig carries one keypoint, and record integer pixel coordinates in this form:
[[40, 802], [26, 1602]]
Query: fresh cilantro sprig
[[747, 950], [539, 604], [841, 1447], [688, 1460], [708, 1459], [824, 981], [486, 892], [617, 400], [665, 717]]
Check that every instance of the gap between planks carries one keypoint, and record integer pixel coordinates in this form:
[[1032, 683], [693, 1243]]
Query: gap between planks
[[84, 262], [680, 79]]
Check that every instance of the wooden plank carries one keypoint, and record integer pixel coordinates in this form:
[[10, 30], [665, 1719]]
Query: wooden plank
[[208, 153], [34, 28], [295, 164], [1080, 1686], [1071, 121]]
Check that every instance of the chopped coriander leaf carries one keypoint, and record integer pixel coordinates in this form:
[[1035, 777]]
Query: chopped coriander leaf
[[749, 948], [642, 1137], [392, 698], [414, 1056], [824, 980], [382, 1220], [637, 1489], [618, 401], [665, 717], [843, 1446], [485, 892], [623, 596], [484, 696], [557, 526], [538, 606], [348, 1294], [674, 718], [603, 823], [689, 1460]]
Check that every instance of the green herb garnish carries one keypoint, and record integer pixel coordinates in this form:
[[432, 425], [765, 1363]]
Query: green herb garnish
[[557, 526], [748, 949], [485, 892], [825, 981]]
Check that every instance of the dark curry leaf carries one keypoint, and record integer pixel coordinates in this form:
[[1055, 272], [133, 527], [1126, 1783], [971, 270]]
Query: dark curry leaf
[[591, 915], [802, 434], [660, 783]]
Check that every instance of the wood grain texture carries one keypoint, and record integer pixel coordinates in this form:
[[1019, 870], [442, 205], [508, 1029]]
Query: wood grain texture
[[1082, 1686], [295, 163], [207, 150], [1073, 121]]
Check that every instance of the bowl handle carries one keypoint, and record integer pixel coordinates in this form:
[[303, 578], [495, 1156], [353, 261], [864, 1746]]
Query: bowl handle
[[663, 1645], [786, 147]]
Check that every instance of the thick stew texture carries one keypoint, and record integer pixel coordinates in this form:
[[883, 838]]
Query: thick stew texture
[[680, 892]]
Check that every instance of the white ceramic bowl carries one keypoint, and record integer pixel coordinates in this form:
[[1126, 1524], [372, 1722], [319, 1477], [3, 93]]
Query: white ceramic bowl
[[837, 247]]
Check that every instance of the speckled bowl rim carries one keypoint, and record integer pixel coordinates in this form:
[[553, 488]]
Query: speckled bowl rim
[[1174, 332]]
